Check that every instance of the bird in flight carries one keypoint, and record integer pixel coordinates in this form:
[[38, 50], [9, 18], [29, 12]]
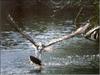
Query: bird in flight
[[41, 47]]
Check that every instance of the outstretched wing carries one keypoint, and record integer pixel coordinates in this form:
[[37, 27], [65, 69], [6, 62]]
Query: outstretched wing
[[80, 30], [28, 37], [93, 34]]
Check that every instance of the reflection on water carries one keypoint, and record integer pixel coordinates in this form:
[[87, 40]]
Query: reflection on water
[[76, 55]]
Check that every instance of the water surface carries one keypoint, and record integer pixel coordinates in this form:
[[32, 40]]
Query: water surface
[[73, 56]]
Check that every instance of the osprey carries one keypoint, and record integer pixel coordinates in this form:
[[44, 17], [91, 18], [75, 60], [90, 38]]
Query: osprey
[[41, 47]]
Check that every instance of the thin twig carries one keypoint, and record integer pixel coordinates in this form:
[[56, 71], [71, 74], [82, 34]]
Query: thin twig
[[77, 16]]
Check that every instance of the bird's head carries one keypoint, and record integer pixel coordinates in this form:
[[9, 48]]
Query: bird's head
[[40, 46]]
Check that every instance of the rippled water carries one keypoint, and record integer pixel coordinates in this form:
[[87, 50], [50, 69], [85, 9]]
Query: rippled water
[[73, 56]]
